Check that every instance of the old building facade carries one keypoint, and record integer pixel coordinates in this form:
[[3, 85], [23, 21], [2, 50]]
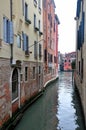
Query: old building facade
[[80, 75], [68, 59], [21, 54], [27, 52], [50, 34]]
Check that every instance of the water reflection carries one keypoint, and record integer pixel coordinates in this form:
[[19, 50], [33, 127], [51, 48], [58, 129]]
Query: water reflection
[[68, 104], [42, 114], [58, 109]]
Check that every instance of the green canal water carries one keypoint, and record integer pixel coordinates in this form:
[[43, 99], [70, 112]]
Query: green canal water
[[57, 109]]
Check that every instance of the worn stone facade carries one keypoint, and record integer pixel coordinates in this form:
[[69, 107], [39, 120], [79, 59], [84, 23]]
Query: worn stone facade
[[22, 70], [5, 93], [26, 89], [80, 74]]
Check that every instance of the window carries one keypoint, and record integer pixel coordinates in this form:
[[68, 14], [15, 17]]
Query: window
[[26, 11], [79, 67], [19, 41], [45, 55], [15, 84], [54, 26], [7, 30], [34, 72], [39, 5], [51, 21], [35, 49], [50, 58], [34, 20], [35, 3], [39, 69], [39, 25], [55, 59], [25, 42], [27, 20], [26, 73], [40, 53], [82, 66]]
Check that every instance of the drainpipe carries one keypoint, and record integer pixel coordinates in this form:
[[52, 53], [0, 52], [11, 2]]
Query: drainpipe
[[11, 45]]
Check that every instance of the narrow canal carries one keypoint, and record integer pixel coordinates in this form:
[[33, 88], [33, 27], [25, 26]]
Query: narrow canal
[[58, 109]]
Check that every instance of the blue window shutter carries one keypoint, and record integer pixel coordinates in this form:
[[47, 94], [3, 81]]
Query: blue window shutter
[[11, 38], [34, 20], [83, 15], [5, 29], [8, 31]]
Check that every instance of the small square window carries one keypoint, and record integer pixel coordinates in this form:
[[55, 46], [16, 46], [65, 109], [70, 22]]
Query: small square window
[[26, 73]]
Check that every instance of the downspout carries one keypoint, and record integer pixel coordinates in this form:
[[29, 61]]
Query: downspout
[[11, 45]]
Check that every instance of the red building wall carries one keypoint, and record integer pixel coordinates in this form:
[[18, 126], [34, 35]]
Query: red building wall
[[50, 32]]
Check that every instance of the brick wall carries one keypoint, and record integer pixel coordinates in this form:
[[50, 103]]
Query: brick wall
[[5, 95]]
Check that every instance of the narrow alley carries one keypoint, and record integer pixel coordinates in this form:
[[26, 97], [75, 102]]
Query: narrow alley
[[58, 109]]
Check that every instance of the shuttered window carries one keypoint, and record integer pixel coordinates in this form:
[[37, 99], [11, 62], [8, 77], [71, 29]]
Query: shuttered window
[[7, 30], [39, 25], [34, 20], [35, 49], [40, 54], [25, 42], [26, 11]]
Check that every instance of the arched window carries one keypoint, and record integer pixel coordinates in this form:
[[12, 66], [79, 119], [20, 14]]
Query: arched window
[[15, 84]]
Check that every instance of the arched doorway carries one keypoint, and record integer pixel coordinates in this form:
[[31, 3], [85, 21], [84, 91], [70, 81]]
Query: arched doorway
[[15, 84]]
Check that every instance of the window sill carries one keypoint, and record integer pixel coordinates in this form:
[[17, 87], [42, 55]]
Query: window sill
[[36, 29], [27, 21]]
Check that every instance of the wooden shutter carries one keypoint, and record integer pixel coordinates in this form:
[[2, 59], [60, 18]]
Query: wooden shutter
[[5, 29], [11, 38]]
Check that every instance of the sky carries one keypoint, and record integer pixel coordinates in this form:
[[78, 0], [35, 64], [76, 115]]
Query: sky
[[66, 11]]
